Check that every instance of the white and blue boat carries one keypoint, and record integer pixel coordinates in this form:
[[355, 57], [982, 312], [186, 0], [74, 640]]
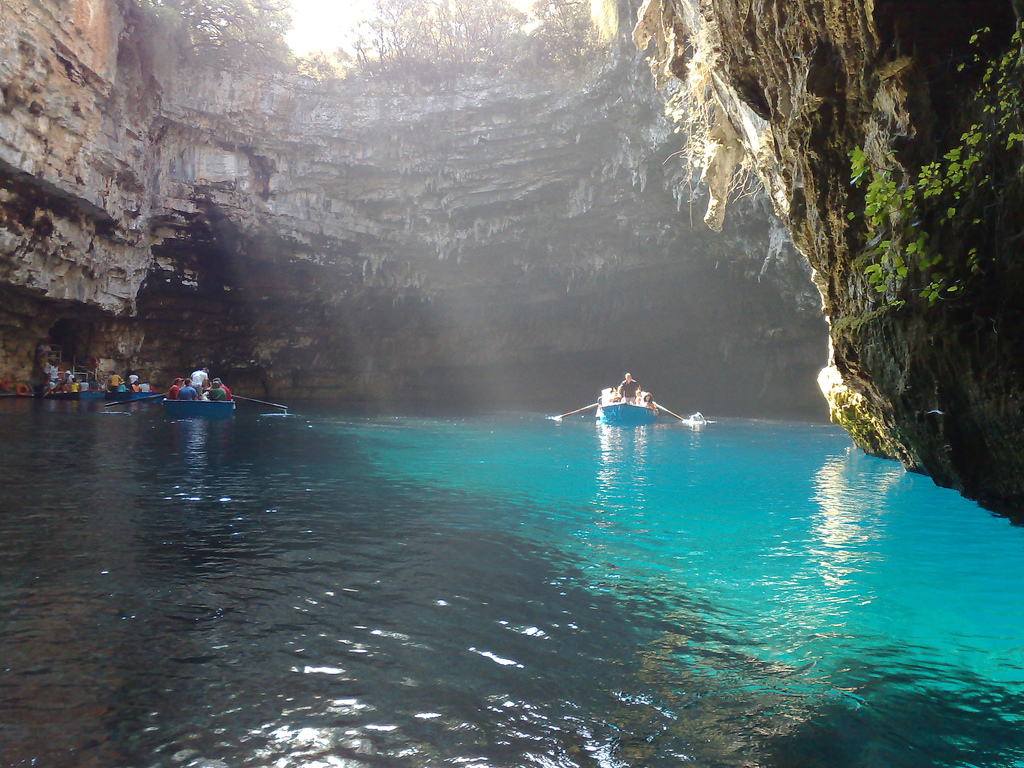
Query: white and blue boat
[[613, 410], [626, 415], [199, 409]]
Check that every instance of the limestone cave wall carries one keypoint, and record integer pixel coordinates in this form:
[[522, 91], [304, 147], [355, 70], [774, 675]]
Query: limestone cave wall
[[936, 385], [516, 241]]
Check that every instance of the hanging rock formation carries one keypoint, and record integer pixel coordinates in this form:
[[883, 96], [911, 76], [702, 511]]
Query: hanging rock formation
[[936, 385], [521, 240]]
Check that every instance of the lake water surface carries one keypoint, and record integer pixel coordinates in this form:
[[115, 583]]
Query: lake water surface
[[507, 591]]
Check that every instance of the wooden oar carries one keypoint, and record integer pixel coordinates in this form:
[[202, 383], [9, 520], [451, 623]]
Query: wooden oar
[[261, 402], [570, 413], [666, 410], [135, 400]]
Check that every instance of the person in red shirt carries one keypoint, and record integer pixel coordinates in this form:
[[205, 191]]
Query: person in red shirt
[[172, 393], [218, 391]]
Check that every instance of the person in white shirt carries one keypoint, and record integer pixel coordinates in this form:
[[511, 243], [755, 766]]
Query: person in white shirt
[[200, 379]]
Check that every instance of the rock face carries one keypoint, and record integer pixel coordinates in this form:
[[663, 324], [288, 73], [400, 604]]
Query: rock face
[[520, 241], [802, 85]]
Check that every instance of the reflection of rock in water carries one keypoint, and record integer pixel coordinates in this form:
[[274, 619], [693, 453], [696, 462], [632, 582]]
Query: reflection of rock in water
[[712, 704], [715, 701], [970, 722]]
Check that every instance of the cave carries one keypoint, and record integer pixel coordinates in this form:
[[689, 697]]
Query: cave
[[937, 33], [950, 42], [424, 269], [69, 340]]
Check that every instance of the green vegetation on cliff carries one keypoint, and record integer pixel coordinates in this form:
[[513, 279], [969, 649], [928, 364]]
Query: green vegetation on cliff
[[934, 233], [425, 37], [404, 38], [240, 32]]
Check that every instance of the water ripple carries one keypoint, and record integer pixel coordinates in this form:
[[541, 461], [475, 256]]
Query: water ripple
[[409, 592]]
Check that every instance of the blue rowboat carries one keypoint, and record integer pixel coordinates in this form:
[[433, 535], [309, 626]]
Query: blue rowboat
[[199, 409], [626, 415]]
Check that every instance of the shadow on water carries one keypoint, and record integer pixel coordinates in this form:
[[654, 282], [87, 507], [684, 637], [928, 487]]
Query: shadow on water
[[895, 727], [263, 593]]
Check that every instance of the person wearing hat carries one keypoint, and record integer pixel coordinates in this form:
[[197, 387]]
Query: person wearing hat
[[218, 392], [172, 393]]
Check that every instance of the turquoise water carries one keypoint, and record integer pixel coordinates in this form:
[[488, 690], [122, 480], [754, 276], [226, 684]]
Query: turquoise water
[[503, 590]]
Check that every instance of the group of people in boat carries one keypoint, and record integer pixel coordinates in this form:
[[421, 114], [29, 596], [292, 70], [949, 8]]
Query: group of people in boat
[[58, 381], [129, 383], [199, 386], [629, 392]]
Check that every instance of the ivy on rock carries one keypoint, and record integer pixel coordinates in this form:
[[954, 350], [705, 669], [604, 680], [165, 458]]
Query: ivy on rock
[[949, 200]]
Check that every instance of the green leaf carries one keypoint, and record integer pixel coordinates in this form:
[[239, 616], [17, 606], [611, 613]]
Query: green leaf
[[858, 165]]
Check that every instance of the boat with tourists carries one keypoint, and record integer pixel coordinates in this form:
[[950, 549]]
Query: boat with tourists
[[58, 377], [629, 406], [613, 409]]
